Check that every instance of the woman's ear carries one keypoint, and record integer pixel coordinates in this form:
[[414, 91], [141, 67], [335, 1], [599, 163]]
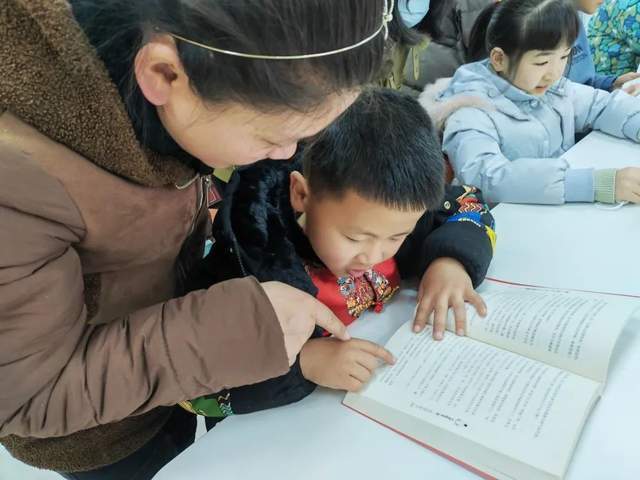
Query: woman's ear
[[499, 60], [158, 70], [298, 191]]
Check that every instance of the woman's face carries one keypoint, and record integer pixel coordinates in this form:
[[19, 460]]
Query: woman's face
[[230, 134], [224, 134]]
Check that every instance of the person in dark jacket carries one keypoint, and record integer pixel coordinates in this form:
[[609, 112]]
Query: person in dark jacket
[[359, 209]]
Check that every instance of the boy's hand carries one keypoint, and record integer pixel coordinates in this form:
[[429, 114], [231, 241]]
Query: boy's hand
[[342, 365], [628, 185], [446, 284]]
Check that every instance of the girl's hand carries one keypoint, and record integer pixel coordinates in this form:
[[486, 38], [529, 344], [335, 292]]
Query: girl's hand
[[342, 365], [627, 77], [628, 185], [446, 284]]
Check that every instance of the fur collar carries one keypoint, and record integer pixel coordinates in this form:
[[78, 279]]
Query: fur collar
[[52, 79], [259, 224], [440, 111]]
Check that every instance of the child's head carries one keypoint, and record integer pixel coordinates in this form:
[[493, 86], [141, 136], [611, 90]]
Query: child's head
[[367, 180], [528, 42], [228, 109]]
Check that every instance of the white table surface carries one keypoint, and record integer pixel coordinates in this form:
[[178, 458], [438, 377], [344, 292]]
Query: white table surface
[[318, 438], [581, 246]]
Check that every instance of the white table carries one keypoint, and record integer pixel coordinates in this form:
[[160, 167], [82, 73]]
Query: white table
[[318, 438], [581, 246]]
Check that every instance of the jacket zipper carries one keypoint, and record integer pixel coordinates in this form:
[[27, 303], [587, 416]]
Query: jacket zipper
[[202, 201], [236, 250]]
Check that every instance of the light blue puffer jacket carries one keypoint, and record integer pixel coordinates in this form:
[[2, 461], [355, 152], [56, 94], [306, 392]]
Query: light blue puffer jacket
[[511, 145]]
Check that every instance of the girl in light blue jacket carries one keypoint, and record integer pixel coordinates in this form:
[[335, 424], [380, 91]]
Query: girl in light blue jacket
[[515, 116]]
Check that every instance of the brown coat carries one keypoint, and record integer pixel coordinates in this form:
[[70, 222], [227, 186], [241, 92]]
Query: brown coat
[[91, 230]]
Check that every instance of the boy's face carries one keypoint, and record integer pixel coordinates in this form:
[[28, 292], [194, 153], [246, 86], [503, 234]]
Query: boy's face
[[350, 234]]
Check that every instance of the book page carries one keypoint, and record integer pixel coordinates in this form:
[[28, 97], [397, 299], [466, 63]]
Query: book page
[[511, 404], [571, 330]]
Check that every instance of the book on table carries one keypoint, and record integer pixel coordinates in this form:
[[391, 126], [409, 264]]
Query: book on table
[[510, 399]]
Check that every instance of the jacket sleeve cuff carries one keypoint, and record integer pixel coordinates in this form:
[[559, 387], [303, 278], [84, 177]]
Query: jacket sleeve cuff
[[604, 82], [578, 185], [631, 128], [226, 336], [276, 392], [466, 242], [605, 185]]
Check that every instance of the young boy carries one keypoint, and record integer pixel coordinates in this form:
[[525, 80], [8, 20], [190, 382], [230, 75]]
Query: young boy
[[362, 208]]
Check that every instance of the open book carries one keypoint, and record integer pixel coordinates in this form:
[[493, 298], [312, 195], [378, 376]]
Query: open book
[[509, 400]]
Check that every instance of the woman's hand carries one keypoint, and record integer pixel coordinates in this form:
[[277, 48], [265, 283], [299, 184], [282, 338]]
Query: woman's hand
[[298, 314]]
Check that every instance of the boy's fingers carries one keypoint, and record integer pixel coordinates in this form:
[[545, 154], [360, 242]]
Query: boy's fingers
[[377, 351], [367, 360], [360, 373], [478, 303], [439, 319], [423, 312], [326, 319], [422, 292], [460, 315], [354, 385]]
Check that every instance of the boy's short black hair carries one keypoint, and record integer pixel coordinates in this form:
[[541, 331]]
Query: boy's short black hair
[[383, 148]]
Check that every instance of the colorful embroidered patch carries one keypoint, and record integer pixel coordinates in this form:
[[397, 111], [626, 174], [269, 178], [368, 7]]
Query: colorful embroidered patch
[[469, 192], [470, 205], [492, 236], [370, 290], [209, 406], [473, 217], [346, 285]]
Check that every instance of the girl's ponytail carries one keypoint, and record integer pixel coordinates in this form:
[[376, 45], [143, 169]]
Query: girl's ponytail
[[478, 48]]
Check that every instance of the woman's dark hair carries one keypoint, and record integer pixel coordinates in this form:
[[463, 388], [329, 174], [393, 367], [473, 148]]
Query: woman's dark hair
[[399, 32], [118, 28], [383, 148], [431, 24], [270, 27], [518, 26]]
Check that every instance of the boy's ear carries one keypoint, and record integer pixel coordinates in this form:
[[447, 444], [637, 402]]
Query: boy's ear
[[158, 70], [499, 60], [298, 191]]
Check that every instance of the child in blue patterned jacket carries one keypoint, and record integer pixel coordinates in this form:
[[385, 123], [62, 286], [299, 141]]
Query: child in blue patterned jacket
[[582, 68], [614, 34], [515, 115]]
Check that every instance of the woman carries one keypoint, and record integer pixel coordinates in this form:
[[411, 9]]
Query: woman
[[113, 113]]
